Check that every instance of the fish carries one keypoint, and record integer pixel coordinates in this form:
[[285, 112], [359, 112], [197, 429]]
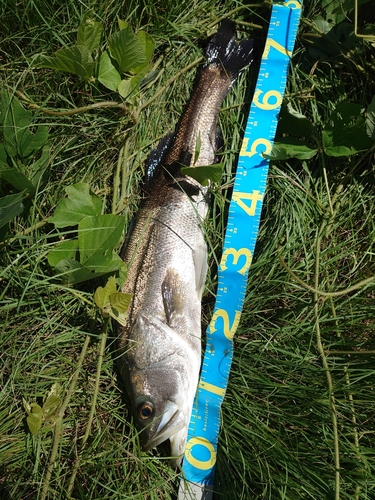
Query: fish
[[159, 346]]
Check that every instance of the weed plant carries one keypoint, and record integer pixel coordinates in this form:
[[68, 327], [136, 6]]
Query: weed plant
[[298, 417]]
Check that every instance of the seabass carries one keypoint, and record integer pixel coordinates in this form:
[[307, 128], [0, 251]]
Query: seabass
[[166, 254]]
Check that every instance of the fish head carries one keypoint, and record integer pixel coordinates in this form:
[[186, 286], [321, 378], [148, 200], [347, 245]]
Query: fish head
[[162, 377], [159, 422]]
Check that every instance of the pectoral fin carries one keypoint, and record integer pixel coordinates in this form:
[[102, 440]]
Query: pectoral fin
[[173, 295], [200, 265]]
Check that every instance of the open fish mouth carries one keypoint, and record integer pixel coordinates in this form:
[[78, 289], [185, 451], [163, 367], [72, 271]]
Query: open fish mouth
[[172, 422]]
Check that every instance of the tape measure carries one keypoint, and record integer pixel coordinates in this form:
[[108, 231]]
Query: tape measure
[[241, 233]]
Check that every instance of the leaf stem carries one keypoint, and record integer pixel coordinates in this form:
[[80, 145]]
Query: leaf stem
[[59, 422], [25, 232], [69, 112], [116, 180], [77, 461], [320, 347], [353, 288], [167, 84]]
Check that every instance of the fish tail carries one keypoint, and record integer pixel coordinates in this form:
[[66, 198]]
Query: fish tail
[[223, 50]]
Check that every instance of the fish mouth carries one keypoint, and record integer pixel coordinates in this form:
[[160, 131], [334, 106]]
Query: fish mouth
[[172, 425]]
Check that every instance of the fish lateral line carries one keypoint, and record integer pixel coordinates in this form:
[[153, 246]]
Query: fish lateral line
[[163, 326], [172, 231], [225, 59]]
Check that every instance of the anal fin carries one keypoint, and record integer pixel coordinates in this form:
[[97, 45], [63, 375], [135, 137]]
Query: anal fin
[[155, 159]]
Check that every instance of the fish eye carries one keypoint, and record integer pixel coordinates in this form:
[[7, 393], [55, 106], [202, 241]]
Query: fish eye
[[145, 410]]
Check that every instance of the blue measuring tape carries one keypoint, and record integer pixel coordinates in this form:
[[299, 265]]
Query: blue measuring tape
[[239, 244]]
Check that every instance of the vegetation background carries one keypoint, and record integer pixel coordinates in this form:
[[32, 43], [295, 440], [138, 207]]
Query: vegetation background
[[298, 417]]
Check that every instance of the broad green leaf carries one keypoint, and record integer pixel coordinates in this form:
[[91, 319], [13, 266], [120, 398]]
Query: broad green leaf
[[64, 250], [120, 301], [370, 119], [54, 391], [278, 153], [337, 151], [10, 207], [293, 123], [122, 275], [51, 405], [34, 423], [327, 138], [101, 296], [38, 167], [126, 49], [127, 87], [119, 317], [70, 271], [3, 232], [97, 237], [79, 204], [292, 147], [204, 173], [148, 46], [39, 138], [346, 133], [119, 304], [147, 43], [337, 39], [108, 74], [26, 405], [16, 122], [29, 143], [36, 409], [337, 10], [334, 10], [3, 155], [116, 264], [322, 25], [16, 179], [89, 33], [76, 59], [122, 24]]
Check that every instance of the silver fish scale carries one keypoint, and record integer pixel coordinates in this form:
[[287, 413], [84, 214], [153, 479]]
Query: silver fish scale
[[160, 348], [174, 237], [161, 344]]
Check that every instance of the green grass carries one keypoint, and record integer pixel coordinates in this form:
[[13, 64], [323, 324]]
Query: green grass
[[298, 417]]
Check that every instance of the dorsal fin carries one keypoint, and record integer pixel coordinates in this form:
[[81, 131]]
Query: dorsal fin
[[155, 159]]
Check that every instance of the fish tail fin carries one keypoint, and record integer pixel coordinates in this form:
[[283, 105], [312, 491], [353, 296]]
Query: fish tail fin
[[223, 50]]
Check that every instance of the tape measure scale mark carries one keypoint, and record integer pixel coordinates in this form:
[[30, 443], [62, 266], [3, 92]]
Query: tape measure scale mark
[[242, 228]]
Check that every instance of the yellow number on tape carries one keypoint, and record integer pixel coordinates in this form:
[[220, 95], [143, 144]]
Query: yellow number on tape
[[200, 464], [236, 254], [265, 102], [276, 45], [254, 197], [254, 147], [229, 330], [293, 3]]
